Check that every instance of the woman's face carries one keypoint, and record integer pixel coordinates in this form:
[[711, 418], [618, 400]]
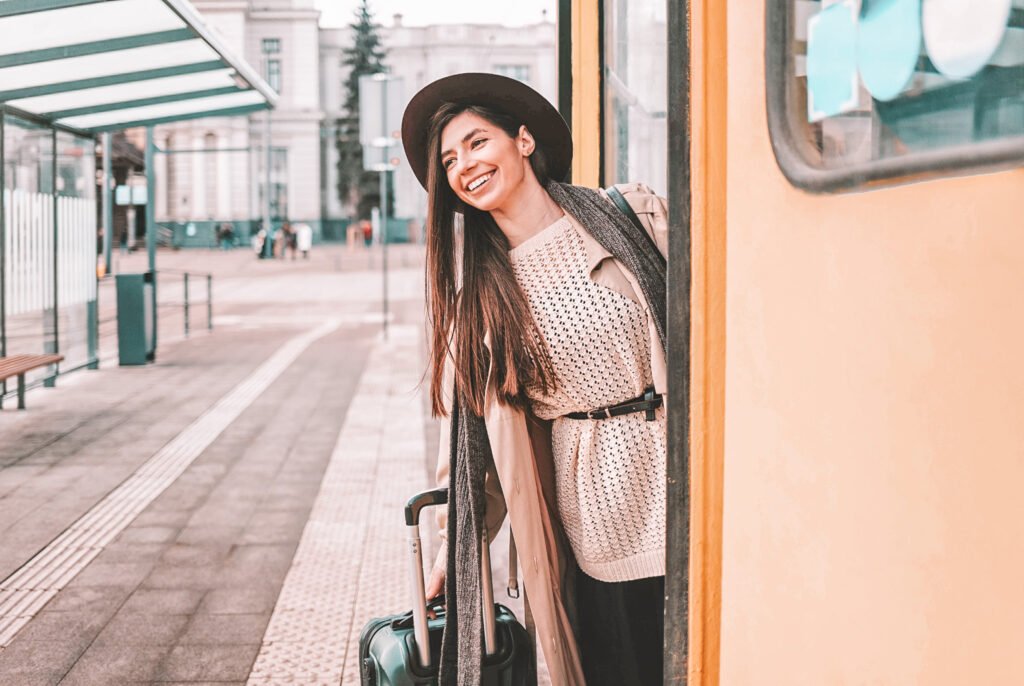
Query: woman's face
[[484, 165]]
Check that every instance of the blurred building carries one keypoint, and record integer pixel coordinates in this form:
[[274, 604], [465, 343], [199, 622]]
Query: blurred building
[[421, 54], [213, 169]]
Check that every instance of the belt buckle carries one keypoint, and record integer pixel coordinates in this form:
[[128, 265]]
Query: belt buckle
[[649, 397], [601, 413]]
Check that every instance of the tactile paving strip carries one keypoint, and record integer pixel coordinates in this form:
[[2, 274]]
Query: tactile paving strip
[[352, 563], [27, 590]]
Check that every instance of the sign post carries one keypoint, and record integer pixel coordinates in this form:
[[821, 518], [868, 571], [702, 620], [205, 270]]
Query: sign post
[[380, 123]]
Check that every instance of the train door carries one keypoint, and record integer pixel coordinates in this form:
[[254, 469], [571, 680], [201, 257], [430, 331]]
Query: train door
[[623, 78], [869, 206], [844, 180]]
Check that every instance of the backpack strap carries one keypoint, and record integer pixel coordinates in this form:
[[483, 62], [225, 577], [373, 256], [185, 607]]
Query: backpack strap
[[620, 201]]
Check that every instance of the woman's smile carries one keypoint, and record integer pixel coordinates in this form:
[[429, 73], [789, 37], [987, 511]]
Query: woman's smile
[[479, 181]]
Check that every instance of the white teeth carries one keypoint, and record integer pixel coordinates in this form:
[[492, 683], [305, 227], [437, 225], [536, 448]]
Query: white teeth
[[479, 182]]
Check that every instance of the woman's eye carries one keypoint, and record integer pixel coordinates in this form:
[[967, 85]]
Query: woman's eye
[[447, 163], [478, 141]]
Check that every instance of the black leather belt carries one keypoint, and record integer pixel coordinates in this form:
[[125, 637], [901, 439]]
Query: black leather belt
[[648, 402]]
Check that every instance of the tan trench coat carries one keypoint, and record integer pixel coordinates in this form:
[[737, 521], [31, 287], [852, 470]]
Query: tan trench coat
[[520, 482]]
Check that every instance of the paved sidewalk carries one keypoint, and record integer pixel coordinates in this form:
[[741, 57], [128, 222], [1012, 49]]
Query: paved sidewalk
[[352, 560], [231, 514]]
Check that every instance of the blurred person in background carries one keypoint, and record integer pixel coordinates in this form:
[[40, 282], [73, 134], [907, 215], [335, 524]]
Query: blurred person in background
[[367, 228], [281, 240], [304, 239]]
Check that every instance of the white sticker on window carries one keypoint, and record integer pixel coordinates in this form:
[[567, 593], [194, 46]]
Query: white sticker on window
[[962, 35], [833, 86]]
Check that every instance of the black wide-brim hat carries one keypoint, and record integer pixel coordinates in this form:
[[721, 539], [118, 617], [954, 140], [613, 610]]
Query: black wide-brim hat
[[510, 96]]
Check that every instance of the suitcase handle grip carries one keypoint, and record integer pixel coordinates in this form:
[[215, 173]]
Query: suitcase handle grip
[[419, 501], [407, 621]]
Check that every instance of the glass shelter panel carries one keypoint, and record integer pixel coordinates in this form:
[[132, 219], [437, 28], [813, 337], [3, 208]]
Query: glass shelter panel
[[29, 324], [635, 93], [868, 89], [76, 248]]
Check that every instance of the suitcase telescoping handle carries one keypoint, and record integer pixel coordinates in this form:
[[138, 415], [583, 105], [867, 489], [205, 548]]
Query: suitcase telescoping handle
[[419, 595]]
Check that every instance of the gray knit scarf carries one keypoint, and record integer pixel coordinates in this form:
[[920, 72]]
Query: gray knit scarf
[[462, 644]]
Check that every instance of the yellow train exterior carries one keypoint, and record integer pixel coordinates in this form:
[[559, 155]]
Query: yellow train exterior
[[855, 441]]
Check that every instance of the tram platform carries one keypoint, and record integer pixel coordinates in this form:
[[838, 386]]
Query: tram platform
[[230, 514]]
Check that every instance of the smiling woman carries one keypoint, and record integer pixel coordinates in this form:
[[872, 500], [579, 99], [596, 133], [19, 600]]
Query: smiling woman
[[547, 306], [488, 164]]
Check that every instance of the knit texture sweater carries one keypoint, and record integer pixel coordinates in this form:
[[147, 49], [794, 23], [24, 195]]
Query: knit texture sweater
[[609, 473]]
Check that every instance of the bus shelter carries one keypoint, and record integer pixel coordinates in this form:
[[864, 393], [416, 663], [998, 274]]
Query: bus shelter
[[71, 70]]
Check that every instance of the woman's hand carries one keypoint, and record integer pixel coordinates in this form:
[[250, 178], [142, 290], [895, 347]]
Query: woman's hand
[[435, 586]]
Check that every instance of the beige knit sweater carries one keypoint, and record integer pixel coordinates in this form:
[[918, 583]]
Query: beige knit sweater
[[609, 473]]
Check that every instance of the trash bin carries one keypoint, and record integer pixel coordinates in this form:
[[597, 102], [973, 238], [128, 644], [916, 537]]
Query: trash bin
[[135, 318]]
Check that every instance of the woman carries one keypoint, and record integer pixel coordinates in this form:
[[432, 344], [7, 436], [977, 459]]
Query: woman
[[547, 356]]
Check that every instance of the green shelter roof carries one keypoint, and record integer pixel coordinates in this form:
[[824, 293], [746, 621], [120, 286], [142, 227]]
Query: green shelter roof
[[102, 65]]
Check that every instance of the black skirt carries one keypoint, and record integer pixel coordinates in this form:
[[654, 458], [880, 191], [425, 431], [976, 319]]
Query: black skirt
[[621, 630]]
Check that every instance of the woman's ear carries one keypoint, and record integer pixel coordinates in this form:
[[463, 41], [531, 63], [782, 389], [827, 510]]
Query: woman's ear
[[526, 142]]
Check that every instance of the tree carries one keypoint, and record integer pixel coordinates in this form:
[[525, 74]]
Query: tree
[[359, 188]]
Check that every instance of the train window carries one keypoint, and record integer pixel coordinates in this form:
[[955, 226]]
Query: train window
[[865, 90], [635, 92]]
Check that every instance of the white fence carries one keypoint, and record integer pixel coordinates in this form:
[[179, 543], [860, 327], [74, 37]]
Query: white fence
[[76, 256], [28, 274]]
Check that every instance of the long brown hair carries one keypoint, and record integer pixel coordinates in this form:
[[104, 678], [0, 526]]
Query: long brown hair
[[488, 300]]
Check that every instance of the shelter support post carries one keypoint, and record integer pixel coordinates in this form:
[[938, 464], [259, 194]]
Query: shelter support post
[[151, 222], [106, 201], [53, 345], [267, 154]]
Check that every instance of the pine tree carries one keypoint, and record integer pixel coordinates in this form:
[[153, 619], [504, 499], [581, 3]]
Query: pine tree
[[365, 56]]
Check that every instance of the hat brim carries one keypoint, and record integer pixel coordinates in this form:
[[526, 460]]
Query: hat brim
[[488, 90]]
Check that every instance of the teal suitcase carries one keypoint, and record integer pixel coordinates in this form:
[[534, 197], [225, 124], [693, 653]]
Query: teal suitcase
[[393, 652]]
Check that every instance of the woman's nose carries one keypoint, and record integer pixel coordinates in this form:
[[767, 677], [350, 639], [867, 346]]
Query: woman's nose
[[457, 167]]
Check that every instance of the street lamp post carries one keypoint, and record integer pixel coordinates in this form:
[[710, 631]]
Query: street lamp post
[[379, 123], [268, 233], [384, 246], [268, 46]]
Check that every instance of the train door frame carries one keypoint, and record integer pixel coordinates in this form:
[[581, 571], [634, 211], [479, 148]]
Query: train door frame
[[698, 94], [680, 273], [697, 74]]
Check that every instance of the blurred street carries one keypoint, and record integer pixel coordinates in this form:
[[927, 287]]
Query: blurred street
[[232, 513]]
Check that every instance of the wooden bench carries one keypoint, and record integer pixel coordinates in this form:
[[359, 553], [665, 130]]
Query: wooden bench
[[17, 365]]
